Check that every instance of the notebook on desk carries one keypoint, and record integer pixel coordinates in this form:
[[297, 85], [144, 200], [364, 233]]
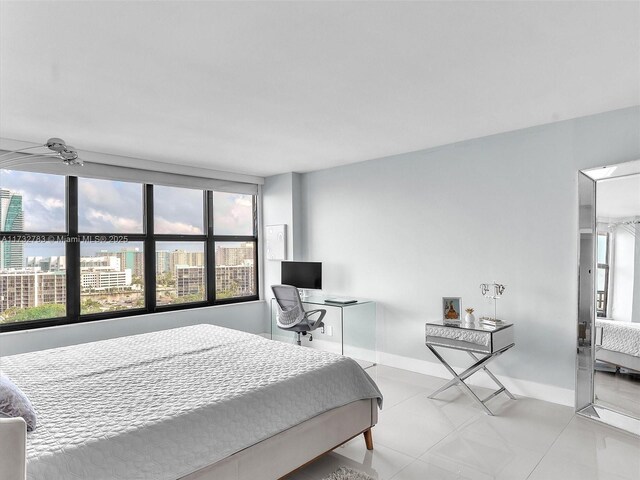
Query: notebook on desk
[[340, 301]]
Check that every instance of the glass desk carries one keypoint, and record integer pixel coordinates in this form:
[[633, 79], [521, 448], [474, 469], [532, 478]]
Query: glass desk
[[471, 338], [349, 329]]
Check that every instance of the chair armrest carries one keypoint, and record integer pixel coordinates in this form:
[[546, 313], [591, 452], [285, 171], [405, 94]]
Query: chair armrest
[[317, 321], [13, 448]]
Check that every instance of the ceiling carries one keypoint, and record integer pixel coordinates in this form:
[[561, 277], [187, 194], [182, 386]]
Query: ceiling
[[265, 88], [619, 197]]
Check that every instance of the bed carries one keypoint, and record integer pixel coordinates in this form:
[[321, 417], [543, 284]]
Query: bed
[[193, 403], [618, 343]]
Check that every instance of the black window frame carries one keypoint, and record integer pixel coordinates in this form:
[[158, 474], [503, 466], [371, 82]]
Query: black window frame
[[73, 238]]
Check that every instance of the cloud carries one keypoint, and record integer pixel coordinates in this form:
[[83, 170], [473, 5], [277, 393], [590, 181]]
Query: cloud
[[162, 225], [42, 199], [232, 214], [107, 222], [117, 207], [106, 206]]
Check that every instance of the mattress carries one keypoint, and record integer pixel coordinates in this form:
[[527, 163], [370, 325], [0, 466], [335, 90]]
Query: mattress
[[164, 404], [623, 337]]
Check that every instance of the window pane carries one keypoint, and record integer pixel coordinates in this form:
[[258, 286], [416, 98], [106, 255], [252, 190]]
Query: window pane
[[111, 277], [34, 286], [235, 269], [602, 275], [180, 272], [109, 206], [31, 202], [178, 210], [602, 248], [232, 214]]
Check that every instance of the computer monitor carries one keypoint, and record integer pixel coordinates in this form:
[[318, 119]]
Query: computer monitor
[[302, 274]]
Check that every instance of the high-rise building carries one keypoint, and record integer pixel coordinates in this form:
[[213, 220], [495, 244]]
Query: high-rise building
[[231, 256], [235, 281], [28, 288], [11, 220], [46, 264], [182, 257], [108, 261], [163, 261], [133, 260], [189, 280]]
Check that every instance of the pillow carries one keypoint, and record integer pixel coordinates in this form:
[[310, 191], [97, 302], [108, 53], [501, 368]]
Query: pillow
[[14, 403]]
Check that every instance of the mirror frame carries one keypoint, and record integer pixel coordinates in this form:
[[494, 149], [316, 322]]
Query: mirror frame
[[585, 358]]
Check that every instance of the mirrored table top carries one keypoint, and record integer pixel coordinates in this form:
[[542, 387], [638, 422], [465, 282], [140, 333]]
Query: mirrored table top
[[476, 326]]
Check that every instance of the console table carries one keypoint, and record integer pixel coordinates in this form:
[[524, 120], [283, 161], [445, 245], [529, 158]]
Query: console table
[[474, 339], [350, 328]]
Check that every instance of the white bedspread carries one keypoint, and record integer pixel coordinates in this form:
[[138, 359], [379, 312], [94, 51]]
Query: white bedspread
[[164, 404], [623, 337]]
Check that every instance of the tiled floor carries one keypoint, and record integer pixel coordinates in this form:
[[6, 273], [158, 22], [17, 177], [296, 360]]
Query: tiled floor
[[422, 439], [620, 391]]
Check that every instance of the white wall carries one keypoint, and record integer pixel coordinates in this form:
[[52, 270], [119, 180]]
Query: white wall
[[409, 229], [242, 316], [280, 205]]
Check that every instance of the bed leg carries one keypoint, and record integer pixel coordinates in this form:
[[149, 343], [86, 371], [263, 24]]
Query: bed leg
[[368, 439]]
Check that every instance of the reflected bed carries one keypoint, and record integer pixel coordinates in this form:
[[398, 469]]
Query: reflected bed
[[620, 344]]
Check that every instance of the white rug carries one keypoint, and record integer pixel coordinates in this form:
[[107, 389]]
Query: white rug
[[344, 473]]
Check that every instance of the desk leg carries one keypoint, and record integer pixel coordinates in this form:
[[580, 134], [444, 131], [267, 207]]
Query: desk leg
[[502, 387]]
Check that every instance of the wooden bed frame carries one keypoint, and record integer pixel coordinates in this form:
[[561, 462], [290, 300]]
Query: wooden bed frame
[[291, 448]]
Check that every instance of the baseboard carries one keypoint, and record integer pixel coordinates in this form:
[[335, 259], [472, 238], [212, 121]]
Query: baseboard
[[541, 391]]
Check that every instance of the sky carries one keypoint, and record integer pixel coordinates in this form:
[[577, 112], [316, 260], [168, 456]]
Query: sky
[[106, 206]]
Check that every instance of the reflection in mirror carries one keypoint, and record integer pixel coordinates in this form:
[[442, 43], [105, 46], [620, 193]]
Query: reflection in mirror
[[617, 301]]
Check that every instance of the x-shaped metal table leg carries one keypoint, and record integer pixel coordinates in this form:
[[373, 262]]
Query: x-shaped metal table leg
[[460, 378]]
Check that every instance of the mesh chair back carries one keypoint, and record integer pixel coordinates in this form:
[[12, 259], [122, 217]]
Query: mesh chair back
[[289, 305]]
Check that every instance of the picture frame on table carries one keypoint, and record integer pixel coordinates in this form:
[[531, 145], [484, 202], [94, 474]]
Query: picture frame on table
[[451, 309]]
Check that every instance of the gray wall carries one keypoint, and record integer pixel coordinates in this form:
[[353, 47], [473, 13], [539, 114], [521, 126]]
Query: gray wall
[[280, 205], [244, 316], [409, 229]]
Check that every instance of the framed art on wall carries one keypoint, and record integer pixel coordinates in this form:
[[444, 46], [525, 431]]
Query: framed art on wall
[[276, 239]]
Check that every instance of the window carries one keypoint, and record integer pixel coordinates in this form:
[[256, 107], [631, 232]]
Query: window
[[80, 249], [178, 211], [602, 277], [37, 289], [235, 269], [180, 272], [107, 206], [232, 214], [111, 277], [235, 245], [32, 248]]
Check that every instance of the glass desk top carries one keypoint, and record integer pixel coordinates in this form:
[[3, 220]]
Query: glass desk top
[[321, 299]]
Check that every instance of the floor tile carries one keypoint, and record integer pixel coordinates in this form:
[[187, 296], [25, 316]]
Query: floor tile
[[395, 391], [526, 423], [477, 454], [557, 467], [382, 463], [451, 437], [599, 448], [420, 470], [408, 432]]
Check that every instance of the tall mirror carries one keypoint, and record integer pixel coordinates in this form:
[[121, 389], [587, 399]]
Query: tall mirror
[[608, 365]]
